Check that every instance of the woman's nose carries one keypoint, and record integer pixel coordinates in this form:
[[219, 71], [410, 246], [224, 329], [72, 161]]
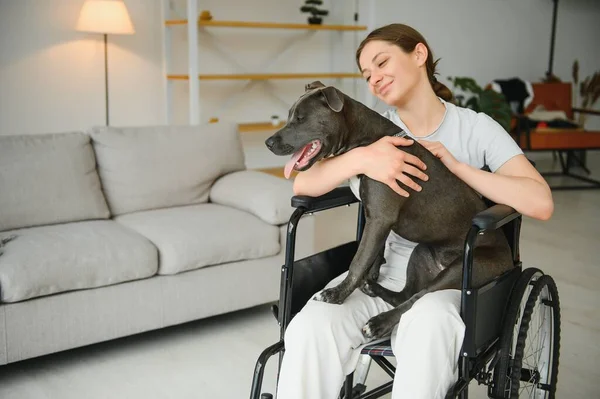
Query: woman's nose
[[376, 79]]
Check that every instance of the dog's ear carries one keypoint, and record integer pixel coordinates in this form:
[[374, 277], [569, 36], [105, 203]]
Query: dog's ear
[[314, 85], [333, 98]]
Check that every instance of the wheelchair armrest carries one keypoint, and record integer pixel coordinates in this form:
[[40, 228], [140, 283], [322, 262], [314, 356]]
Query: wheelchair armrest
[[337, 197], [494, 217]]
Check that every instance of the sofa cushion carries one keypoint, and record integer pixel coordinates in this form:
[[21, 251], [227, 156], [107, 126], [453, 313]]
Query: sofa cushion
[[146, 168], [195, 236], [47, 179], [51, 259]]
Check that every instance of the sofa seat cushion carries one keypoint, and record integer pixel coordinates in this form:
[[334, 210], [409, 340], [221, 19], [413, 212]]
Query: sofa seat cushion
[[191, 237], [51, 259]]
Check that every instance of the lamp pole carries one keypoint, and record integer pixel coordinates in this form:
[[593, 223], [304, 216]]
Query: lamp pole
[[106, 76], [550, 74], [105, 17]]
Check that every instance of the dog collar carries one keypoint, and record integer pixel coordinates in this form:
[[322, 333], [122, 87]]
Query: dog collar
[[401, 133]]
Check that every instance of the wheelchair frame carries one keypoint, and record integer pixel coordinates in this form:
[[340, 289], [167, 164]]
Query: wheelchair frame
[[479, 305]]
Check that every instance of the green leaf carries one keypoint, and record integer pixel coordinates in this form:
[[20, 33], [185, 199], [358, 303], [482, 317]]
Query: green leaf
[[495, 105], [473, 103], [466, 84], [487, 101]]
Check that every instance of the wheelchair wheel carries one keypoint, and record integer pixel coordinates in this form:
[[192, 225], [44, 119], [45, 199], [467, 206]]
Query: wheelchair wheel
[[530, 345]]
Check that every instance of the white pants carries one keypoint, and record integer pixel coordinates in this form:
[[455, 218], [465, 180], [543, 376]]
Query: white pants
[[323, 343]]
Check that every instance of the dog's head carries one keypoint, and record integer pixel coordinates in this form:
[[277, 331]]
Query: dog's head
[[313, 130]]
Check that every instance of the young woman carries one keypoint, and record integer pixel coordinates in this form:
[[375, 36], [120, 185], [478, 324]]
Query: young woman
[[323, 341]]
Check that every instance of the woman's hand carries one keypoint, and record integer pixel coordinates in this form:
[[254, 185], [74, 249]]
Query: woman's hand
[[438, 149], [383, 162]]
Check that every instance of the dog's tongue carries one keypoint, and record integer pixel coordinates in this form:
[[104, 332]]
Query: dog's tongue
[[289, 166]]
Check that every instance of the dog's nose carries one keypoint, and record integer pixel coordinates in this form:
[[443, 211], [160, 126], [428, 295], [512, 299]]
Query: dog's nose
[[270, 142]]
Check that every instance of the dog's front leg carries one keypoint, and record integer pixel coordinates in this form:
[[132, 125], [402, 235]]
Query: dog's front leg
[[368, 252], [373, 273], [382, 325]]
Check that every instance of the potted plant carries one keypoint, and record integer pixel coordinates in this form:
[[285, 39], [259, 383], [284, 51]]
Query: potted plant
[[311, 7], [275, 120], [485, 100], [589, 91]]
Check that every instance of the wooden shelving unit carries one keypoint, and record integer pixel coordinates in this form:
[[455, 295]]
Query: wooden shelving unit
[[193, 31], [259, 127], [268, 76], [266, 25], [193, 13]]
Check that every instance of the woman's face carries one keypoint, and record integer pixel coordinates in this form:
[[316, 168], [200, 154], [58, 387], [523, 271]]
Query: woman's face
[[391, 73]]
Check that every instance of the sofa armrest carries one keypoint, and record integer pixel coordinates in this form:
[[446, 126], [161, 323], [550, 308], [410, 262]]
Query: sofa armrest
[[263, 195], [494, 217]]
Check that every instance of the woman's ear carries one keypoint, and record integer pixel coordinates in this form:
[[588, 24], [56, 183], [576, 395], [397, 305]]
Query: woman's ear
[[421, 53]]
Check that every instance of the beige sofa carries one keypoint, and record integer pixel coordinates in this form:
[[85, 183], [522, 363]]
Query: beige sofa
[[124, 230]]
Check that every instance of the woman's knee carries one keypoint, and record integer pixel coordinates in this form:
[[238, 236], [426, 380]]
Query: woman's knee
[[313, 321], [435, 310]]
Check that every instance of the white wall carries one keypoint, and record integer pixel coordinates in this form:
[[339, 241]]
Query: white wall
[[52, 78]]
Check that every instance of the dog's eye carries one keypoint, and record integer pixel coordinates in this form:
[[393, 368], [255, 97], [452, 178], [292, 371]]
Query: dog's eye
[[299, 118]]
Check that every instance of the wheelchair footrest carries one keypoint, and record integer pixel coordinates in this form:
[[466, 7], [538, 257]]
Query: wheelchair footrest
[[383, 348]]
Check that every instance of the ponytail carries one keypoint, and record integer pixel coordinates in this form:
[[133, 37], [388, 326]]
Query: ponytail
[[441, 90]]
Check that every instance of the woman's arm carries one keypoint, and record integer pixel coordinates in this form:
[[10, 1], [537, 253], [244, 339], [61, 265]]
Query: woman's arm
[[516, 183], [326, 175], [381, 161]]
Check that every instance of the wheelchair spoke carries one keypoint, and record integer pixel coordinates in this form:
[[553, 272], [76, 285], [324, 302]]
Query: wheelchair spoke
[[532, 342], [536, 361], [538, 353], [529, 389], [534, 368], [530, 346]]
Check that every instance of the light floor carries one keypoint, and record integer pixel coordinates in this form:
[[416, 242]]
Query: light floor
[[214, 358]]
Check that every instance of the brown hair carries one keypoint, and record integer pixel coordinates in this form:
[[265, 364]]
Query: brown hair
[[407, 39]]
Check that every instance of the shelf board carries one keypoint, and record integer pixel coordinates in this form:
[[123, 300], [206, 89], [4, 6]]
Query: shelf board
[[267, 25], [277, 172], [259, 127], [267, 76]]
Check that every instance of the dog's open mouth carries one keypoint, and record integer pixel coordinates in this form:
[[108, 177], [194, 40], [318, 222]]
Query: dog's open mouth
[[301, 157]]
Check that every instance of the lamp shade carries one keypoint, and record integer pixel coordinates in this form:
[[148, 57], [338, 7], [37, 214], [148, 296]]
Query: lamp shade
[[105, 16]]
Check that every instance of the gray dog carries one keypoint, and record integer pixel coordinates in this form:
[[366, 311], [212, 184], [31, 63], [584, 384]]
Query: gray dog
[[325, 122]]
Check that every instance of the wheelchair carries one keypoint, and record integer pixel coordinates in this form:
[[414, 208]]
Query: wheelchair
[[512, 335]]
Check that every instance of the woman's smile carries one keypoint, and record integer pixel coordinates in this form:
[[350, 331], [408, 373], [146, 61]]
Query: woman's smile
[[385, 88]]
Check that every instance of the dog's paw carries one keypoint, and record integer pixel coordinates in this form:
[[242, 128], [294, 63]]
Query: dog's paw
[[373, 275], [377, 327], [330, 295], [368, 288]]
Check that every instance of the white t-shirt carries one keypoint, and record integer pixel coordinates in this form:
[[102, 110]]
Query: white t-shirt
[[472, 138]]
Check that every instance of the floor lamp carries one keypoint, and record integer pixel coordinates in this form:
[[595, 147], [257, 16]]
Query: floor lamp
[[108, 17], [549, 74]]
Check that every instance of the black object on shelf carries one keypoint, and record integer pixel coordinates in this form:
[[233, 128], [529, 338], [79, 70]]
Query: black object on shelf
[[311, 7]]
